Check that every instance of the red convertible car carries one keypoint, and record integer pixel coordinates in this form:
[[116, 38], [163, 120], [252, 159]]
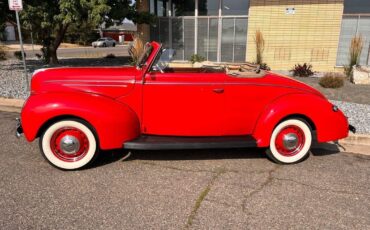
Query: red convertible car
[[155, 105]]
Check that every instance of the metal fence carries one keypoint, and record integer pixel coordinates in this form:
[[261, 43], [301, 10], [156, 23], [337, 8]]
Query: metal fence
[[215, 38], [352, 25]]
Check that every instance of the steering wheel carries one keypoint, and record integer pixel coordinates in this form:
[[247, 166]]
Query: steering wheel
[[159, 68]]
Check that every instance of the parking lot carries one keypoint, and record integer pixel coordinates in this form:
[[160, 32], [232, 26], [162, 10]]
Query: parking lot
[[196, 189]]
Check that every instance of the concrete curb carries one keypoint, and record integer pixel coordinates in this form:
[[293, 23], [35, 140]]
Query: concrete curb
[[354, 143]]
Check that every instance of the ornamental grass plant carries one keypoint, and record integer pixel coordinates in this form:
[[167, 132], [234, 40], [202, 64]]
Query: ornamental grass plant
[[136, 49], [260, 47], [355, 50]]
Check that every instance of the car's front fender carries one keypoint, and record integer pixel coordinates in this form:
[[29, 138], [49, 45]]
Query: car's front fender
[[113, 121], [329, 124]]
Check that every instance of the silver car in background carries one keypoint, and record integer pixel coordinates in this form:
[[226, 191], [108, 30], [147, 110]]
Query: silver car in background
[[104, 42]]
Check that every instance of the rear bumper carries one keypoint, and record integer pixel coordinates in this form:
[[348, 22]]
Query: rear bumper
[[352, 128], [19, 129]]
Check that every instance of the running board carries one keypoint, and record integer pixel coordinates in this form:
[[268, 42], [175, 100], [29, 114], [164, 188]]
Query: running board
[[149, 142]]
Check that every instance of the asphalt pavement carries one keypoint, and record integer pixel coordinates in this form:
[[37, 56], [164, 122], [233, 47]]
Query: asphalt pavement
[[196, 189], [86, 52]]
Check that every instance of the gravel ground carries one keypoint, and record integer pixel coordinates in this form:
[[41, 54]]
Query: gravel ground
[[358, 115], [356, 107]]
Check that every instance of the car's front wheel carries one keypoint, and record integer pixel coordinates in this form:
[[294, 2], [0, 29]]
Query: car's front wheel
[[290, 142], [69, 144]]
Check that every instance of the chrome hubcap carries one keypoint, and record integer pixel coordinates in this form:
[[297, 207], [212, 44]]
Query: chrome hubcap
[[290, 141], [69, 144]]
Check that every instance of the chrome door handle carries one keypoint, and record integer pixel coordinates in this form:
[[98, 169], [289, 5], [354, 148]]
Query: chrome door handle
[[220, 90]]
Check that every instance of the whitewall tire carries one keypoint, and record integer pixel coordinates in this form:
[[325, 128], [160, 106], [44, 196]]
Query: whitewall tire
[[290, 142], [69, 144]]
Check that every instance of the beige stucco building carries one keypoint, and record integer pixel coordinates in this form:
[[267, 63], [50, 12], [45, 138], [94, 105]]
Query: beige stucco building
[[295, 31]]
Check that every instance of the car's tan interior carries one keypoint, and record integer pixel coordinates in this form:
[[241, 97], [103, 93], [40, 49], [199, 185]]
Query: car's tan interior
[[242, 70], [194, 70]]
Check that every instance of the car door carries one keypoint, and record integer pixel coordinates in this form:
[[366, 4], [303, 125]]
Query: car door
[[183, 104]]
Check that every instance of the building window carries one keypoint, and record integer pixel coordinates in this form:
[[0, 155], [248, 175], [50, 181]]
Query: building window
[[159, 7], [356, 6], [208, 7], [235, 7], [183, 8]]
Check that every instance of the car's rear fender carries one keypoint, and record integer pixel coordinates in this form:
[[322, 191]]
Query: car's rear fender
[[315, 110], [113, 122]]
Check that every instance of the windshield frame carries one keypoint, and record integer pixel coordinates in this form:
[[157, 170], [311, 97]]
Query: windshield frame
[[148, 49]]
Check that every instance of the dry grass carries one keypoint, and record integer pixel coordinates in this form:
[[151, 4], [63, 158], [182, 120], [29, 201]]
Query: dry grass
[[355, 50], [136, 49], [2, 53], [332, 80], [260, 46]]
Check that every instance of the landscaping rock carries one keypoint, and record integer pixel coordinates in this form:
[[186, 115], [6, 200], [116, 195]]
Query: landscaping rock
[[361, 75]]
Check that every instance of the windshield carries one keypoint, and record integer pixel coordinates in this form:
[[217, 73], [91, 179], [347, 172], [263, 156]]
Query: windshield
[[144, 56], [164, 58], [101, 39]]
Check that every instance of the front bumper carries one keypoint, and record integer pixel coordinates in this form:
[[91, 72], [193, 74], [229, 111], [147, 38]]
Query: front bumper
[[19, 129]]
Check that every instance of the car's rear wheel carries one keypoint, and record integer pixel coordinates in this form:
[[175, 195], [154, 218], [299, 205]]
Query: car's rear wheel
[[69, 144], [104, 45], [114, 45], [290, 142]]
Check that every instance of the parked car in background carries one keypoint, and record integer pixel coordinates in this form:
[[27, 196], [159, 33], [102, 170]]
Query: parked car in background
[[104, 42], [155, 105]]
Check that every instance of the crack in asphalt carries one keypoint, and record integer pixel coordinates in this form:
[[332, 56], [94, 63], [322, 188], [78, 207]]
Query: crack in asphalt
[[221, 203], [202, 197], [177, 168], [268, 180], [200, 170], [319, 188]]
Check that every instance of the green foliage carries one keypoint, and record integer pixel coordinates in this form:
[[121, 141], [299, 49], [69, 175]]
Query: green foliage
[[304, 70], [196, 58], [18, 55], [83, 34], [52, 20], [264, 66], [5, 15], [332, 80]]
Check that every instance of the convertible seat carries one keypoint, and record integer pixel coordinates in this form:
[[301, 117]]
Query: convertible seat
[[243, 70]]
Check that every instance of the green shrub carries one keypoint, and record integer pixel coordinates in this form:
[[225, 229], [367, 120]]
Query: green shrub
[[2, 54], [332, 80], [304, 70], [197, 58], [18, 55]]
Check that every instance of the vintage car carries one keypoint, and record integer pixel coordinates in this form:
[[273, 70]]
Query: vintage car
[[75, 112]]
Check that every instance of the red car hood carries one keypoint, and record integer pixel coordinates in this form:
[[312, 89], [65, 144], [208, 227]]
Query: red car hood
[[109, 81]]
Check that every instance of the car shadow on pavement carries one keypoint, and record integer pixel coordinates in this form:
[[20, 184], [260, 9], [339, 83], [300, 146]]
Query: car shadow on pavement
[[324, 149], [111, 156], [108, 157]]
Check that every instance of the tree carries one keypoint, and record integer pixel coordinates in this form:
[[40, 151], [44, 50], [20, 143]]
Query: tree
[[5, 15], [51, 19]]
